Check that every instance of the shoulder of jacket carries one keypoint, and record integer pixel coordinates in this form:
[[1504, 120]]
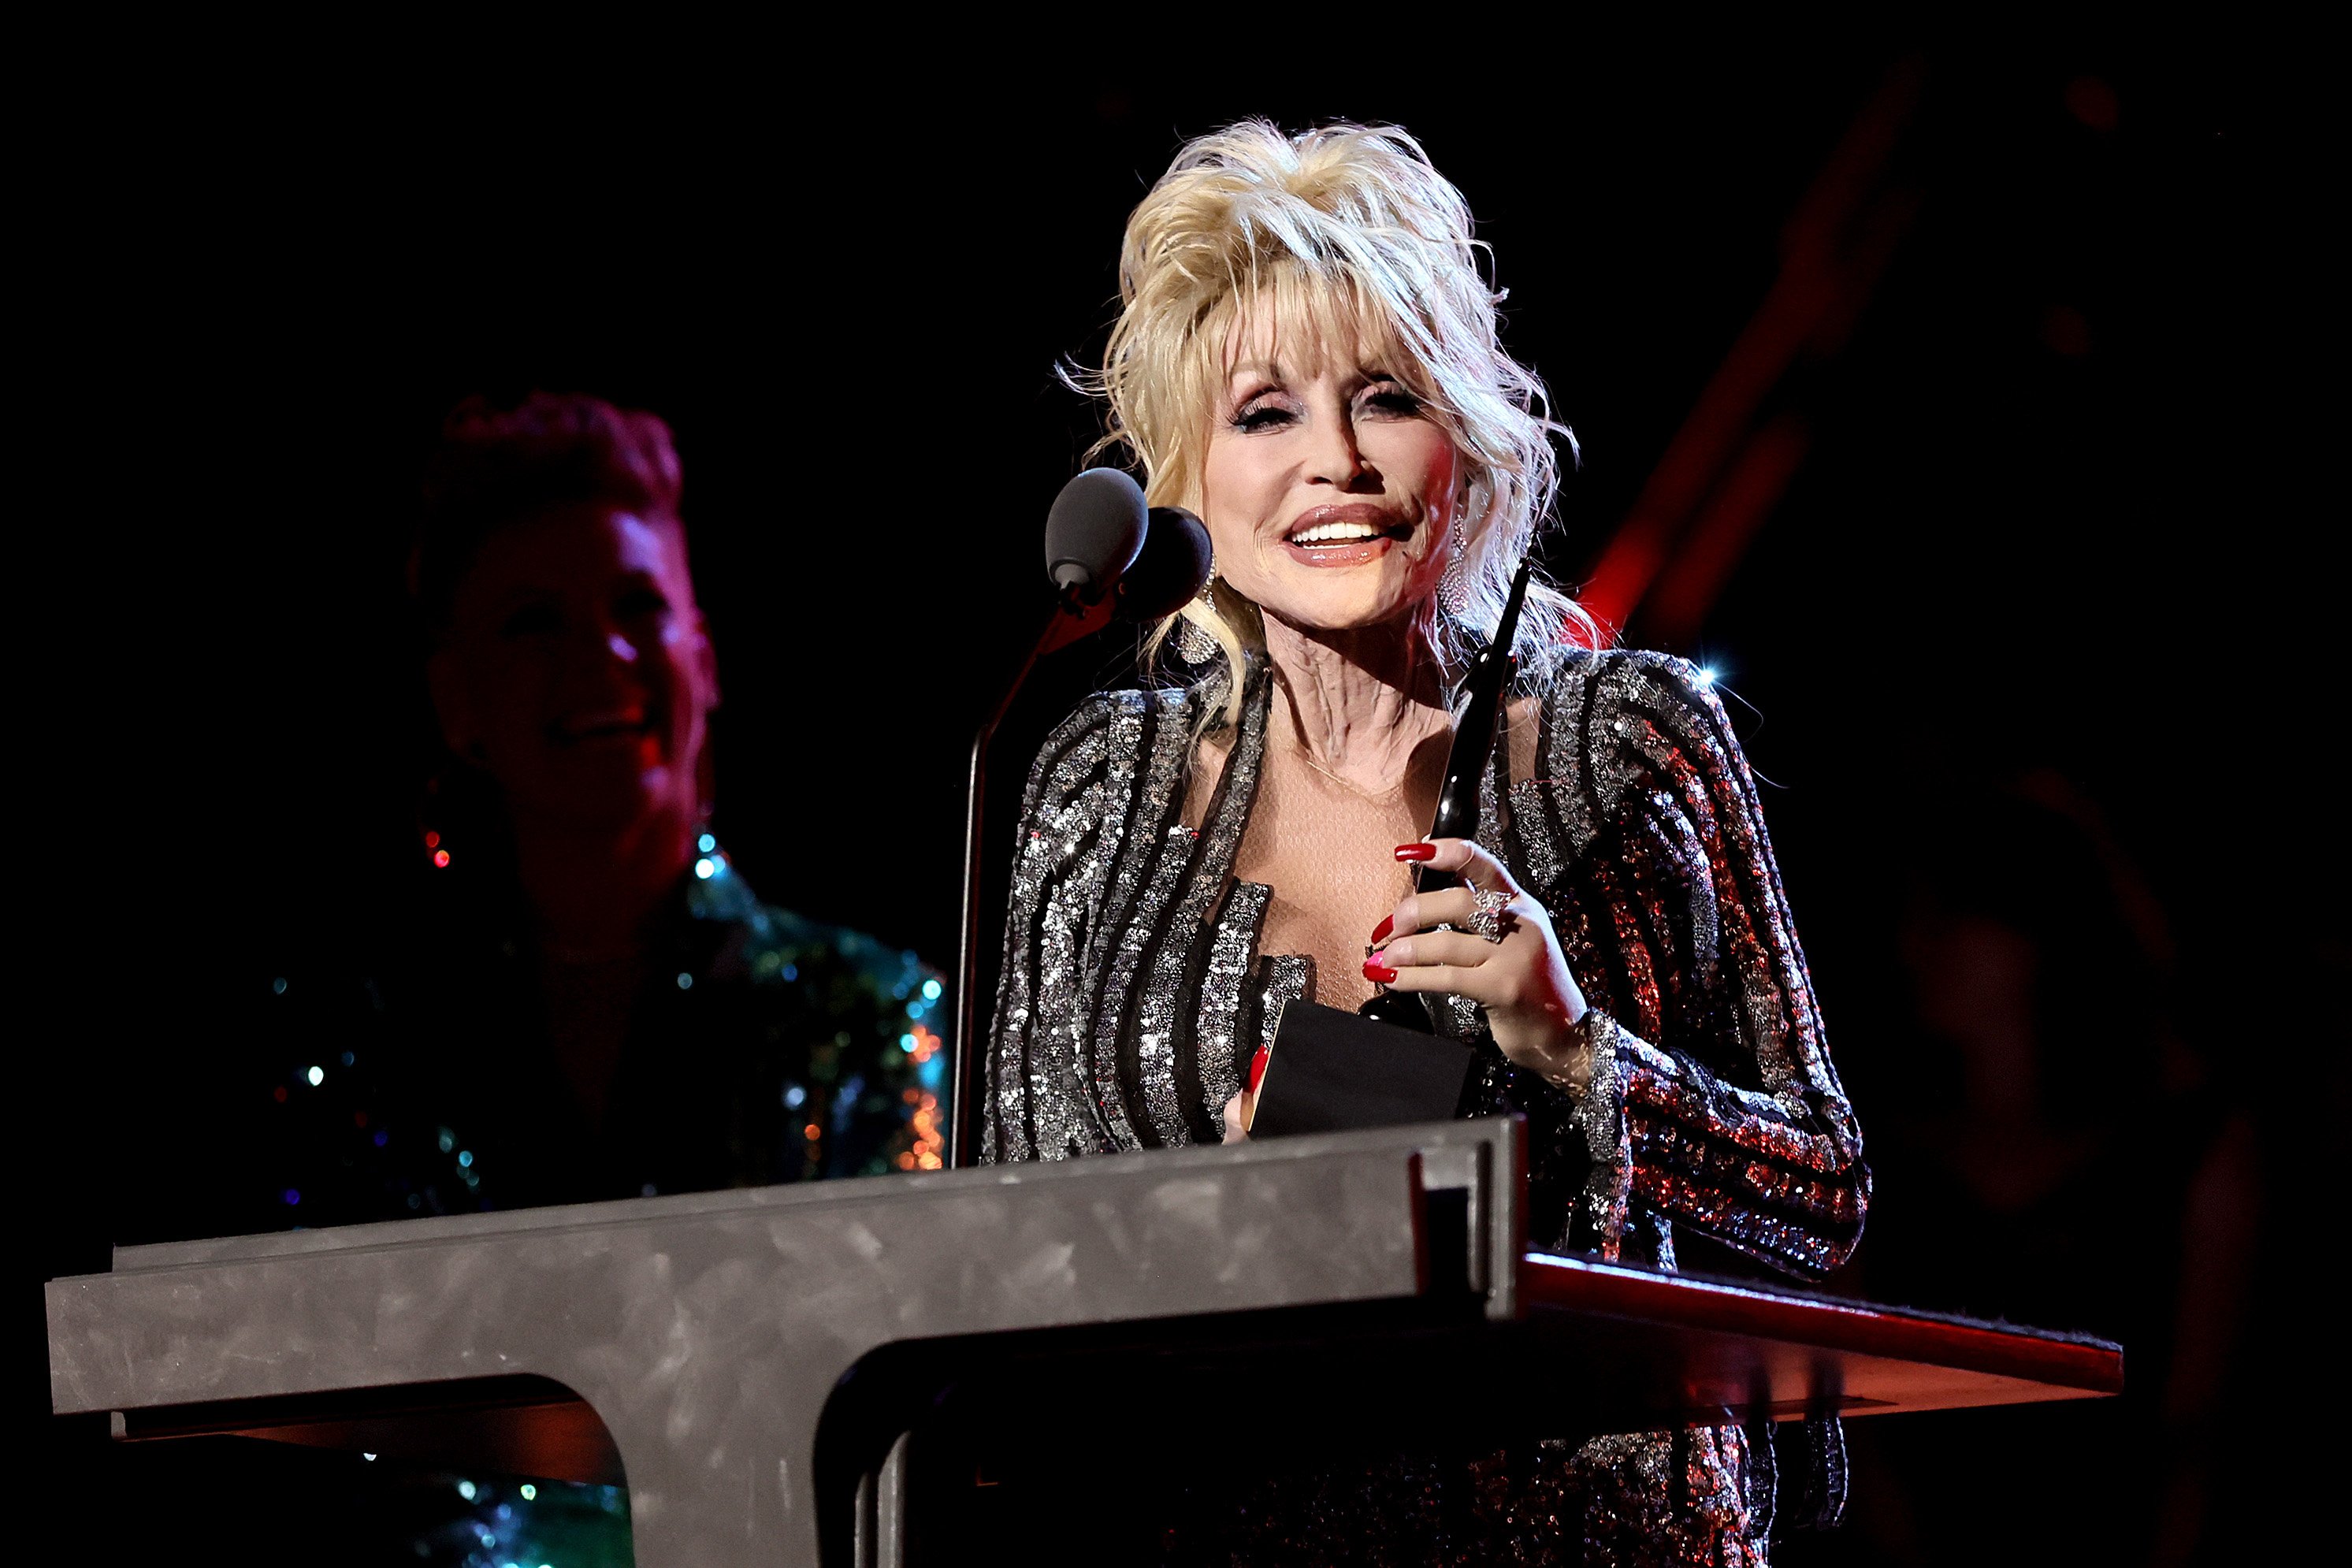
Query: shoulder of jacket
[[1613, 680], [1099, 729], [1105, 709]]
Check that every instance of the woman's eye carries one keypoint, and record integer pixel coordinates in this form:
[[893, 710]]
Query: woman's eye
[[1265, 416], [639, 602], [531, 621], [1393, 400]]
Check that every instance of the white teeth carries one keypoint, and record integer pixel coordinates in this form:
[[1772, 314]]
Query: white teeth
[[1332, 533]]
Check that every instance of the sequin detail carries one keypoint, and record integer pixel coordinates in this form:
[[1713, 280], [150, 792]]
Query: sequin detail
[[1132, 986], [1231, 948], [1182, 947], [1125, 939], [1654, 1500], [1285, 978]]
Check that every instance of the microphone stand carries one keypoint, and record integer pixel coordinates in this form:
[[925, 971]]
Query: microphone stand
[[1073, 618]]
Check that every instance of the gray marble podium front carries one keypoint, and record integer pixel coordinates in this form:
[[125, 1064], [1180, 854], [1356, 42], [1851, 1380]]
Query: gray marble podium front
[[757, 1360], [709, 1331]]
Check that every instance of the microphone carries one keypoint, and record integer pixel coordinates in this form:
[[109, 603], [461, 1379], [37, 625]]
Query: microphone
[[1100, 536], [1106, 554], [1093, 533], [1171, 569]]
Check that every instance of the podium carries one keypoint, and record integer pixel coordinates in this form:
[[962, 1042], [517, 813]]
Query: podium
[[768, 1369]]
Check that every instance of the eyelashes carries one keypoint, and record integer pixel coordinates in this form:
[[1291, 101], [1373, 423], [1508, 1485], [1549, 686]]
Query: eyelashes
[[642, 601], [531, 621], [1385, 398], [546, 618]]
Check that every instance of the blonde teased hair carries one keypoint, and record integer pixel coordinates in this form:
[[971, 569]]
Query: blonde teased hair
[[1342, 229]]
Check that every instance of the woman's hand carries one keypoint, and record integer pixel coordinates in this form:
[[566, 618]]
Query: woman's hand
[[1532, 1003], [1243, 1105]]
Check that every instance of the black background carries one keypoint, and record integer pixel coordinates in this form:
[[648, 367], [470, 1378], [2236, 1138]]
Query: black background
[[2060, 524]]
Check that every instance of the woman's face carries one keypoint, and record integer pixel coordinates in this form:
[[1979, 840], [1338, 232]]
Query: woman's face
[[576, 669], [1327, 491]]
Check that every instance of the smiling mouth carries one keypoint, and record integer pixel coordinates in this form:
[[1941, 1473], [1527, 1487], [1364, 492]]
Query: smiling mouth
[[1345, 536], [1347, 531], [614, 724]]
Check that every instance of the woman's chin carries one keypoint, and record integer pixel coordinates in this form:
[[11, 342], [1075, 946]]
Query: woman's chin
[[1341, 606], [611, 799]]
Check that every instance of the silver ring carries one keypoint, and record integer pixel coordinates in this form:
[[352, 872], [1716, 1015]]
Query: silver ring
[[1486, 914]]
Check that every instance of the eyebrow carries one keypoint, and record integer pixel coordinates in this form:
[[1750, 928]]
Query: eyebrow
[[1259, 369]]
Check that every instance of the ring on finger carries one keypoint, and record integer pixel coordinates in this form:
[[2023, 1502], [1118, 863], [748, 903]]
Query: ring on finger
[[1486, 912]]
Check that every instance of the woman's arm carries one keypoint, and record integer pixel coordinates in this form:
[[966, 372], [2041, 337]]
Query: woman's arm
[[1037, 1102], [1650, 1012], [1712, 1101]]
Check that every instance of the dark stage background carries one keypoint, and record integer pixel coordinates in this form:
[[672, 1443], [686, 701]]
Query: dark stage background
[[1997, 515]]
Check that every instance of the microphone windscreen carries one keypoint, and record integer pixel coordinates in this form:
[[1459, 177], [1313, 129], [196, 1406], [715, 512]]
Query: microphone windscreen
[[1171, 568], [1093, 533]]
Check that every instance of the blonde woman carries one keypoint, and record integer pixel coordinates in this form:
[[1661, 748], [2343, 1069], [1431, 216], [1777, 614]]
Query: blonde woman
[[1307, 358]]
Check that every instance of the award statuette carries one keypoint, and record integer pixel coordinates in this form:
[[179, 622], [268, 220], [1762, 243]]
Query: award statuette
[[1457, 797]]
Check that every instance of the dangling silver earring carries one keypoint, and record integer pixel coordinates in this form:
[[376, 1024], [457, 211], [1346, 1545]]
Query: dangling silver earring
[[1194, 646], [1452, 584]]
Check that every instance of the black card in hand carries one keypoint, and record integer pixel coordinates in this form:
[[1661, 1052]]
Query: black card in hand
[[1331, 1070]]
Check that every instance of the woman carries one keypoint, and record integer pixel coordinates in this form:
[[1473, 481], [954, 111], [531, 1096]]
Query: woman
[[1308, 357], [586, 1001]]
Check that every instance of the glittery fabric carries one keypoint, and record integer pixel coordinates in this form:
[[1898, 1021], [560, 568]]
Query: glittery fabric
[[1713, 1107], [1221, 1025], [1721, 1111], [762, 1047], [1648, 1499], [1125, 993]]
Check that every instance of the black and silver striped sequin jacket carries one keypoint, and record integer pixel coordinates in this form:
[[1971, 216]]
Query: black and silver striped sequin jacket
[[1133, 991]]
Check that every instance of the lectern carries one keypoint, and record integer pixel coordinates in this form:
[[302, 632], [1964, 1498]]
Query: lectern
[[763, 1366]]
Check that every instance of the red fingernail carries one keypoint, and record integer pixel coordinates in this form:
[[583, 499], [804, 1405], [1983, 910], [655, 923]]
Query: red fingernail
[[1380, 931], [1257, 1068], [1416, 852], [1377, 973]]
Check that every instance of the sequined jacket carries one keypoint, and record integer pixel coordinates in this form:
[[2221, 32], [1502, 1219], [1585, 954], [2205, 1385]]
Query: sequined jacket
[[1133, 992], [763, 1047]]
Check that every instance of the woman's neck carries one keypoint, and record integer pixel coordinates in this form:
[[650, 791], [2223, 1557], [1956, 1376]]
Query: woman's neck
[[596, 894], [1360, 702]]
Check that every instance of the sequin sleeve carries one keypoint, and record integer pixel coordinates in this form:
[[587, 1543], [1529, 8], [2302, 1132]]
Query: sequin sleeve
[[1713, 1105], [1074, 817]]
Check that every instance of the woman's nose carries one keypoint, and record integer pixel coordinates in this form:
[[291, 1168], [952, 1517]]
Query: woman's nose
[[1337, 460], [601, 648]]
